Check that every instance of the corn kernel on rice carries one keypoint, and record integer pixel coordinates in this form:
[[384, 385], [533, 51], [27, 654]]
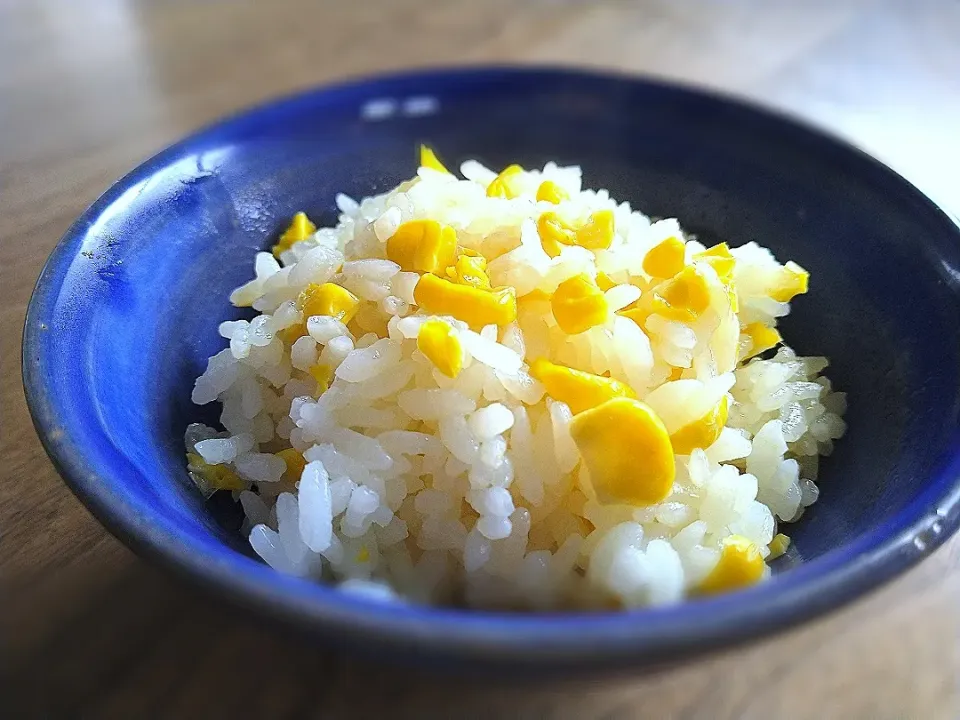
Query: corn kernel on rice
[[412, 454]]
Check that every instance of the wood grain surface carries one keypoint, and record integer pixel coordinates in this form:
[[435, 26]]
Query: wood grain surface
[[89, 89]]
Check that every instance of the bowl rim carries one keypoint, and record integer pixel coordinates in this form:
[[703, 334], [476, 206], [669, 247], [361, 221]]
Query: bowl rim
[[553, 641]]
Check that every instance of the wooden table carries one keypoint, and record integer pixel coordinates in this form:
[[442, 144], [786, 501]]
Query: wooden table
[[88, 89]]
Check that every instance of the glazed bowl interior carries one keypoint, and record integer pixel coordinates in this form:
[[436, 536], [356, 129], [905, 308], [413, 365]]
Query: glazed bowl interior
[[126, 314]]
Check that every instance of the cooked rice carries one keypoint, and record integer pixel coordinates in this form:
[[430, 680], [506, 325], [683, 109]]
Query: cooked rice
[[423, 488]]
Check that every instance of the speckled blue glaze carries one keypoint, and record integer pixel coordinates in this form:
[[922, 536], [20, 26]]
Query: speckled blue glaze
[[126, 311]]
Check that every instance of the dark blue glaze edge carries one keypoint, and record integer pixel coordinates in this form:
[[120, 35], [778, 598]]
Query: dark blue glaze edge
[[554, 641]]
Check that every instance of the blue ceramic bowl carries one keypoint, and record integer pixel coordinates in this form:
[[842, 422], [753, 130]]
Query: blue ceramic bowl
[[126, 311]]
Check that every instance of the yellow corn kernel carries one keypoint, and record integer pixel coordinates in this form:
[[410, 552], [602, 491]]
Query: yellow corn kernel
[[470, 270], [740, 565], [778, 546], [665, 259], [550, 192], [219, 477], [578, 389], [423, 246], [475, 307], [294, 461], [578, 304], [733, 297], [428, 159], [363, 555], [683, 298], [328, 299], [554, 232], [369, 319], [323, 374], [504, 185], [720, 250], [686, 293], [720, 259], [535, 296], [604, 282], [639, 313], [442, 347], [701, 433], [627, 452], [291, 334], [792, 280], [723, 267], [762, 338], [300, 229], [597, 233]]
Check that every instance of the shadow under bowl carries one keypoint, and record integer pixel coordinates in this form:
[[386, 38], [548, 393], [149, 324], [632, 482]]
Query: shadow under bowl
[[126, 310]]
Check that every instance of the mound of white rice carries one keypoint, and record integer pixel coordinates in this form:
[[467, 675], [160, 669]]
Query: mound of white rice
[[401, 483]]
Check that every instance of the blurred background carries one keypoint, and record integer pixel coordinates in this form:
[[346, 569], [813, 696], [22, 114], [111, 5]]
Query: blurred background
[[90, 89]]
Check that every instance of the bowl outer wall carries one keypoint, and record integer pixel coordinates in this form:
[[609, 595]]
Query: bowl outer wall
[[561, 640]]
